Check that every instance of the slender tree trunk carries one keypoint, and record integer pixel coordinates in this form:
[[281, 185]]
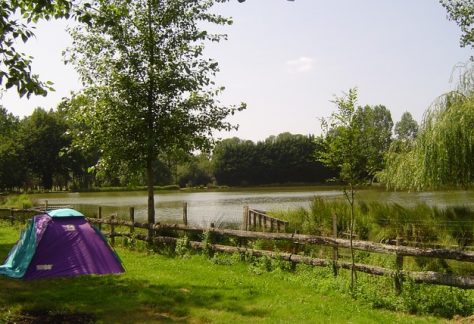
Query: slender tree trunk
[[350, 199], [151, 156], [151, 194]]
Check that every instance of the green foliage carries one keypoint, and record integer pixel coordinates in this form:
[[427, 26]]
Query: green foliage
[[197, 171], [182, 248], [225, 259], [443, 152], [340, 151], [286, 158], [148, 88], [148, 85], [373, 125], [43, 138], [356, 139], [12, 168], [207, 240], [15, 21], [415, 298], [462, 12], [407, 128]]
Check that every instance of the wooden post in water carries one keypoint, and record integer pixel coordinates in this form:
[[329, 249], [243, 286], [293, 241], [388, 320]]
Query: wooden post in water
[[112, 231], [399, 268], [245, 218], [99, 216], [185, 213], [335, 250]]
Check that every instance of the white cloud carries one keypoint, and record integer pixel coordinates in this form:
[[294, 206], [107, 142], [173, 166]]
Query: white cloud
[[300, 65]]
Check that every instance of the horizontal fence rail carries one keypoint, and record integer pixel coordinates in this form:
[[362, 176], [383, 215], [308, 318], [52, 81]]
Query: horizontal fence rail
[[458, 255]]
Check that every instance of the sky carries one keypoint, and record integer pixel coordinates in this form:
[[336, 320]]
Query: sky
[[287, 60]]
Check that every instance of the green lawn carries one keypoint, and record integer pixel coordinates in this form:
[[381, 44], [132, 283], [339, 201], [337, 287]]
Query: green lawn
[[158, 288]]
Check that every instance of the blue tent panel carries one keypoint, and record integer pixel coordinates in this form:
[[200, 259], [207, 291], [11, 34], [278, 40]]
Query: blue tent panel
[[65, 212], [20, 256]]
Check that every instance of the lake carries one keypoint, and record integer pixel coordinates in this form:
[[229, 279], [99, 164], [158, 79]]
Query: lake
[[226, 206]]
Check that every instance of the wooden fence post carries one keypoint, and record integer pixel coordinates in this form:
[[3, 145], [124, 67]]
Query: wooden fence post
[[185, 213], [45, 205], [254, 219], [112, 231], [245, 218], [99, 216], [399, 268], [12, 219], [294, 250], [335, 252], [132, 219]]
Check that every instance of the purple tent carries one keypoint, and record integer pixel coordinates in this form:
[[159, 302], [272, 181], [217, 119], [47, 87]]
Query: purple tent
[[60, 243]]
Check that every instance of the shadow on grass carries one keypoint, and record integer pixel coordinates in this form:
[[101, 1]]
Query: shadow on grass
[[121, 299]]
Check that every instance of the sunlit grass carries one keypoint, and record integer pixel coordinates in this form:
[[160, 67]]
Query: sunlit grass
[[196, 289]]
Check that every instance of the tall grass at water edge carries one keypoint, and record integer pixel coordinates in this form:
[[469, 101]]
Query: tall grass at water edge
[[16, 201], [383, 222]]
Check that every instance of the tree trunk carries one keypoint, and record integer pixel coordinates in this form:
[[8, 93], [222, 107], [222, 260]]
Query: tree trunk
[[151, 156], [350, 199], [151, 194]]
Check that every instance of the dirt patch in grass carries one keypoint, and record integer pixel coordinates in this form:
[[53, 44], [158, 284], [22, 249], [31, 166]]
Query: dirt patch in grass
[[460, 319]]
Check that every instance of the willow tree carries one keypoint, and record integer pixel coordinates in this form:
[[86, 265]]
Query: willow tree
[[149, 85], [443, 152]]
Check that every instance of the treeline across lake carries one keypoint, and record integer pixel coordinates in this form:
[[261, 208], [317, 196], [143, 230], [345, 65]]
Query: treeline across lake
[[281, 159], [37, 153]]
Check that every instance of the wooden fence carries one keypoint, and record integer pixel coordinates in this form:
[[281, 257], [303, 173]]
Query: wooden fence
[[155, 234], [24, 214], [254, 219], [398, 251]]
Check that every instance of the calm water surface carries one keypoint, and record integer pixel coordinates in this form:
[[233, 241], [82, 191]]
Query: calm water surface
[[226, 207]]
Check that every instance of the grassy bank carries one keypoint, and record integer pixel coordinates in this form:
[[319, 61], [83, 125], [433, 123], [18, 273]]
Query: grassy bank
[[198, 289]]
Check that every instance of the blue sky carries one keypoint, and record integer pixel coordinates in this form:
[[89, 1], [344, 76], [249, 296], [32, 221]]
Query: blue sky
[[287, 60]]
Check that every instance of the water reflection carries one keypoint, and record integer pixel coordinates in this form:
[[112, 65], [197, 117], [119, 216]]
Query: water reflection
[[226, 207]]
